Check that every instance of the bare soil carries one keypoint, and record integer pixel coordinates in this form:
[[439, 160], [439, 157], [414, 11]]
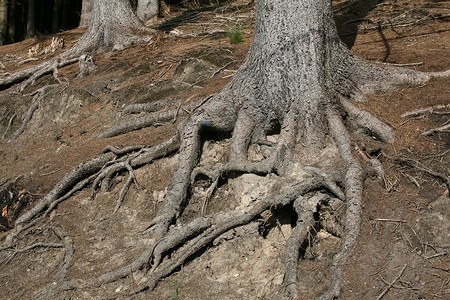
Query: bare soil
[[406, 216]]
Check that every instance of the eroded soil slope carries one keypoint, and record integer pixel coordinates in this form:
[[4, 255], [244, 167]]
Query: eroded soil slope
[[405, 230]]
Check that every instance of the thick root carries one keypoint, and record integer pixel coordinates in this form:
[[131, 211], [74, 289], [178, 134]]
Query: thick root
[[353, 195], [219, 224]]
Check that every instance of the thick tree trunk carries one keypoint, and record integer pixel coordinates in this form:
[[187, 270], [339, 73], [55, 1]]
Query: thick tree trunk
[[113, 25], [297, 73], [31, 19], [147, 10], [3, 21], [86, 11]]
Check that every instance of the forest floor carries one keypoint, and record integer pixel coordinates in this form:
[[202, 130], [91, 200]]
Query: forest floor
[[404, 242]]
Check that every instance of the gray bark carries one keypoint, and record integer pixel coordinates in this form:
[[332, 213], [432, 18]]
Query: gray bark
[[297, 73], [113, 25], [86, 11], [3, 21], [147, 10], [112, 22]]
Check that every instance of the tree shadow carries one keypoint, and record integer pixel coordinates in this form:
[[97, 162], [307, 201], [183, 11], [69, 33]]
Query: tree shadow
[[348, 15]]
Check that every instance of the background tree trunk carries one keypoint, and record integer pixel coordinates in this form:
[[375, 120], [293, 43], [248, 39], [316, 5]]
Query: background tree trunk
[[3, 21], [67, 11], [12, 21], [56, 20], [147, 10], [113, 25], [86, 11], [31, 19]]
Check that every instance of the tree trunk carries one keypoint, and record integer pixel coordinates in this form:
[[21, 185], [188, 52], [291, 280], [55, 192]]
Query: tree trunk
[[3, 21], [31, 19], [12, 22], [147, 10], [298, 74], [57, 12], [66, 14], [113, 25], [86, 11]]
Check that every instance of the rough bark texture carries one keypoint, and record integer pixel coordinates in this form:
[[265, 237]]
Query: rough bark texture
[[3, 21], [113, 25], [86, 12], [147, 10]]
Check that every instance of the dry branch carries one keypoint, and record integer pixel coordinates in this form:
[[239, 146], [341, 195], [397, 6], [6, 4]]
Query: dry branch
[[392, 283]]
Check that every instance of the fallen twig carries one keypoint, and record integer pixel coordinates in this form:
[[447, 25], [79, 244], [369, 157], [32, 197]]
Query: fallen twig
[[391, 220], [165, 71], [398, 286], [417, 165], [390, 285], [436, 255]]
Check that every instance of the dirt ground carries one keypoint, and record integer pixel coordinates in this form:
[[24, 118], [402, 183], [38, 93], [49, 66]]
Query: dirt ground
[[402, 250]]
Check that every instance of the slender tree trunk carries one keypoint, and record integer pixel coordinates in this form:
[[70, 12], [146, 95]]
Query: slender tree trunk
[[12, 21], [31, 20], [86, 11], [3, 21], [66, 14], [56, 20], [147, 10]]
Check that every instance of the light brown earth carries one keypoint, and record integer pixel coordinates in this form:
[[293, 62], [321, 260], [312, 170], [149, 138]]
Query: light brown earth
[[406, 217]]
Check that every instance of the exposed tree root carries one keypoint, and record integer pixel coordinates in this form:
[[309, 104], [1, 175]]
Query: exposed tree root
[[149, 107], [305, 209], [126, 186], [185, 241], [139, 123], [33, 107], [11, 120], [155, 116], [31, 247], [444, 129], [213, 226], [104, 33], [302, 80]]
